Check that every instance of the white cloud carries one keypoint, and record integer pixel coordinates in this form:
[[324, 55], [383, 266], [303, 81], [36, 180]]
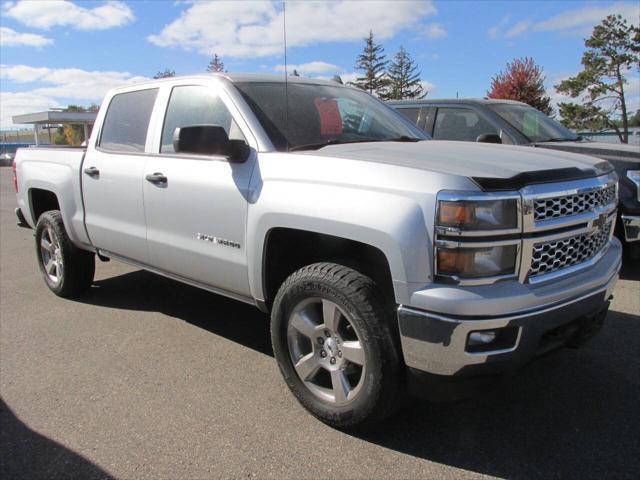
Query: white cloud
[[518, 29], [434, 30], [51, 87], [309, 68], [16, 103], [23, 73], [573, 22], [350, 77], [428, 87], [11, 38], [346, 77], [255, 29], [587, 17], [46, 14], [497, 28]]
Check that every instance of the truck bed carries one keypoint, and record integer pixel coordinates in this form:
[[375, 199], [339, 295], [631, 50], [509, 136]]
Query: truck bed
[[57, 170]]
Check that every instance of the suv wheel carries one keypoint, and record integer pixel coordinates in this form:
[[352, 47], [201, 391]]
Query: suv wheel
[[67, 270], [333, 341]]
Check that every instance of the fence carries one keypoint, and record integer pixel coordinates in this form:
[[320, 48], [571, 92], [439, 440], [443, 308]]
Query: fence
[[612, 137]]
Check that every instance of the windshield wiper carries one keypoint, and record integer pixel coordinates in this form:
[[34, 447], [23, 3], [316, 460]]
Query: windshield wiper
[[403, 138], [319, 145], [337, 141]]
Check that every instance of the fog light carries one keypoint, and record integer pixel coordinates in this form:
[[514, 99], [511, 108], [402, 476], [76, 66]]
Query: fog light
[[500, 339], [481, 338]]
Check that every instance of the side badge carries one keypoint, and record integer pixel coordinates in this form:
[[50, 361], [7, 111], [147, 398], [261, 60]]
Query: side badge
[[217, 240]]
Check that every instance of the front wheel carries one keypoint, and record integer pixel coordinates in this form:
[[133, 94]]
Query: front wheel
[[334, 342], [67, 270]]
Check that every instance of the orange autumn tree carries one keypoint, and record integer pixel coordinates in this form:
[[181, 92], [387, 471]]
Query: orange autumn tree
[[523, 81]]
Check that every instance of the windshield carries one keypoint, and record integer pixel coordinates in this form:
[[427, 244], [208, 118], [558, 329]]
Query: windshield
[[533, 124], [321, 115]]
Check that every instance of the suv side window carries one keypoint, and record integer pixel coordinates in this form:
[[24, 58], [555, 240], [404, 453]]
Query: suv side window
[[461, 124], [411, 113], [196, 105], [127, 121]]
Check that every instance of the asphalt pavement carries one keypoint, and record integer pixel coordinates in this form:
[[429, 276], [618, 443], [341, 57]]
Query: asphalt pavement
[[144, 377]]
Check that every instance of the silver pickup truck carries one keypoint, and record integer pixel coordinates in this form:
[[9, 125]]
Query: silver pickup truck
[[386, 260]]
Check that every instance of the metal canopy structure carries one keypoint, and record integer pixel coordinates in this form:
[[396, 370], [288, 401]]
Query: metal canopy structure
[[56, 117]]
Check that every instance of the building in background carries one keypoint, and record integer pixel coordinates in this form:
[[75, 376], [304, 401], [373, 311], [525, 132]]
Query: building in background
[[44, 122]]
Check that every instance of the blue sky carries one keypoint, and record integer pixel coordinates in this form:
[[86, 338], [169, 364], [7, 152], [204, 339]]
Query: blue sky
[[55, 53]]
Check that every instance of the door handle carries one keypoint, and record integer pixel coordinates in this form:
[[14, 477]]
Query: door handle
[[92, 172], [156, 178]]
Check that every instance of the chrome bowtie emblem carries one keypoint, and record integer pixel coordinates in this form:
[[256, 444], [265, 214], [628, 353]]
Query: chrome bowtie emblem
[[600, 222]]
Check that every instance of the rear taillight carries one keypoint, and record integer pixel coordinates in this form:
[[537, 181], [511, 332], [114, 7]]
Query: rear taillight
[[15, 177]]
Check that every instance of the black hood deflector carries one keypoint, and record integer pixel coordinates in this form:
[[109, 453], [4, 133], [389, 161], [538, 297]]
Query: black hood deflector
[[489, 184]]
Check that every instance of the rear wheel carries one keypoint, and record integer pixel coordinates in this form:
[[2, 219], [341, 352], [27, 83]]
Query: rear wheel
[[66, 269], [333, 340]]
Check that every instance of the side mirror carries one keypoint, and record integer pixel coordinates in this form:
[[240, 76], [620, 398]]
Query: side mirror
[[489, 138], [209, 140]]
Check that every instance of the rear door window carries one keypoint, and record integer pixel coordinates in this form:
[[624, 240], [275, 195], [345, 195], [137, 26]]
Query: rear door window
[[461, 124], [127, 121]]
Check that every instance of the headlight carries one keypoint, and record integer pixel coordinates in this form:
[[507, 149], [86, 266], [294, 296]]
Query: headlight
[[478, 214], [474, 262], [634, 176], [474, 237]]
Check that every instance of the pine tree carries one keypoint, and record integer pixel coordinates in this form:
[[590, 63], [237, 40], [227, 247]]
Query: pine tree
[[613, 52], [404, 78], [216, 64], [523, 81], [372, 62]]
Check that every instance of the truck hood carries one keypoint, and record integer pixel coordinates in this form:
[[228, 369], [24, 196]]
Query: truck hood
[[493, 167]]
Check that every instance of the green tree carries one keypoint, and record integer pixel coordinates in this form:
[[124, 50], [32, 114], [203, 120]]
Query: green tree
[[403, 78], [612, 51], [634, 121], [165, 74], [581, 117], [373, 63], [216, 64]]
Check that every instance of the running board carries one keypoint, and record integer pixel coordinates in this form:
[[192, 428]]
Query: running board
[[178, 278]]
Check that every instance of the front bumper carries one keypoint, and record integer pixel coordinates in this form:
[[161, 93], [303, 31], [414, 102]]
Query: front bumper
[[631, 225], [438, 343]]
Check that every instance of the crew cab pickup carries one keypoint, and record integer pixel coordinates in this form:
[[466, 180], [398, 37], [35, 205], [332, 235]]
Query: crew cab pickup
[[516, 123], [384, 258]]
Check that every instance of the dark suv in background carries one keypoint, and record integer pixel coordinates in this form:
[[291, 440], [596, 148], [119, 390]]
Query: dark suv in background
[[516, 123]]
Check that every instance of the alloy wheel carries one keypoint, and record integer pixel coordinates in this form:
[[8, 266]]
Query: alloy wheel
[[326, 350], [51, 255]]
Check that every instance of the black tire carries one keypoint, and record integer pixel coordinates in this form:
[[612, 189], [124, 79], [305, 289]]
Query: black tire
[[357, 296], [77, 266]]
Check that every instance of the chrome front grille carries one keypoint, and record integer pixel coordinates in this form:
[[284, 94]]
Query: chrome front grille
[[567, 205], [555, 255]]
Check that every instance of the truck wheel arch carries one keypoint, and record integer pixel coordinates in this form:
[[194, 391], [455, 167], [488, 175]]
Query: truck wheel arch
[[285, 250], [40, 201]]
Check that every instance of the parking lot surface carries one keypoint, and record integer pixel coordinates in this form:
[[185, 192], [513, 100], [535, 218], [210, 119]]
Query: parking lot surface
[[147, 378]]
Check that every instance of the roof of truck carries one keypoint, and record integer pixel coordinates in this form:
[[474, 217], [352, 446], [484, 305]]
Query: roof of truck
[[425, 101], [239, 78]]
